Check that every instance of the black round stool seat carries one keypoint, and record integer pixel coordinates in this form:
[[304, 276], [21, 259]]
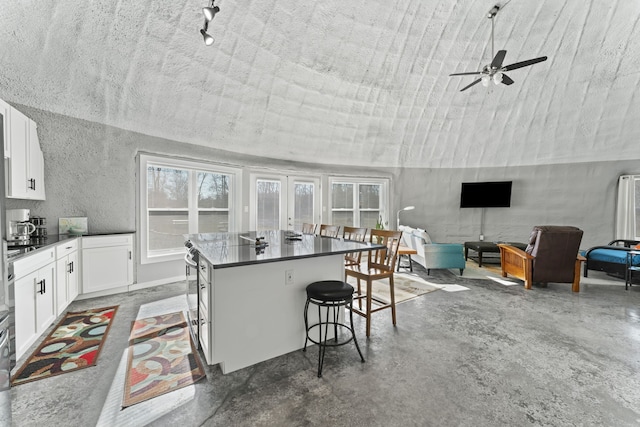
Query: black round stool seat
[[330, 296], [330, 290]]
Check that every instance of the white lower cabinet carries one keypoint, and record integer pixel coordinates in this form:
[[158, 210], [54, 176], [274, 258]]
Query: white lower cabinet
[[107, 262], [35, 285], [67, 270]]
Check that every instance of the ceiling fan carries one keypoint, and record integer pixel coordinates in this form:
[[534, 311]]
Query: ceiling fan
[[496, 71]]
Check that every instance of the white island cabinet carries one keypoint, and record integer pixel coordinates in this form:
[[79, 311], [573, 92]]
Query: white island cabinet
[[67, 270], [251, 300], [35, 283], [107, 263]]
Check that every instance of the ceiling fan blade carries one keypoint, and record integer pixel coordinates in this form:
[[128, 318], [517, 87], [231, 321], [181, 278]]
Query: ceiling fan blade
[[497, 60], [473, 73], [468, 86], [506, 80], [523, 63]]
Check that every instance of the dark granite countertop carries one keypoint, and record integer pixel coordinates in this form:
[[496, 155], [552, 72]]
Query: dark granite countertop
[[33, 245], [232, 250]]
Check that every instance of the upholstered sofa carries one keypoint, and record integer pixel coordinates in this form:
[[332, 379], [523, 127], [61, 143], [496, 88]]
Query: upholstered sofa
[[432, 255]]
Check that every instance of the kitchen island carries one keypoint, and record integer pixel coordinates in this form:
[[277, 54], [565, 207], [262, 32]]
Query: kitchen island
[[251, 296]]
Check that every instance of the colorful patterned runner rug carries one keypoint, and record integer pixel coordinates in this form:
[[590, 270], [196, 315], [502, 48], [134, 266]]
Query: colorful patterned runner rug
[[75, 343], [162, 358]]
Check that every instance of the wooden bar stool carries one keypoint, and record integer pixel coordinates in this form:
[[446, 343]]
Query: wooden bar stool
[[331, 295], [327, 230]]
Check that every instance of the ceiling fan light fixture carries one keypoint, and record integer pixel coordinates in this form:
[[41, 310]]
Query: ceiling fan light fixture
[[485, 80], [497, 78]]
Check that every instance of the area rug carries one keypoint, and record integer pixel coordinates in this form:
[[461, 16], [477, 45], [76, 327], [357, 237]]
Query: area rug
[[162, 358], [406, 287], [74, 343]]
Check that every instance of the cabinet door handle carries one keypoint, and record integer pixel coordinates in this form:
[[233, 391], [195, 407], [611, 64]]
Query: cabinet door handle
[[41, 283], [73, 266], [44, 286], [32, 184], [70, 269], [129, 254]]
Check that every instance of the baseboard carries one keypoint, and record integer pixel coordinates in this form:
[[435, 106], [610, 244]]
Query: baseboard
[[153, 283]]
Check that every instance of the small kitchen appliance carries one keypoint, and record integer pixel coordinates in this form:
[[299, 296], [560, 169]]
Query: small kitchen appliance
[[19, 229]]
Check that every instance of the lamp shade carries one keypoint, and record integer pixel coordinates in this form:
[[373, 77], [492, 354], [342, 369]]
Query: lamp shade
[[210, 12], [208, 40]]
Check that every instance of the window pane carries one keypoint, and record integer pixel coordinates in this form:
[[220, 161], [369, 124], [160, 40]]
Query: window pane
[[166, 229], [637, 182], [213, 190], [267, 205], [342, 218], [213, 221], [303, 204], [369, 196], [369, 219], [342, 196], [167, 187]]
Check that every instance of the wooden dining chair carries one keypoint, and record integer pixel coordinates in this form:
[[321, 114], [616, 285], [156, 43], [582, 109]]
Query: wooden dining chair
[[380, 265], [358, 234], [308, 228], [329, 230]]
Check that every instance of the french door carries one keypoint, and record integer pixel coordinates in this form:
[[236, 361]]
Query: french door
[[283, 202]]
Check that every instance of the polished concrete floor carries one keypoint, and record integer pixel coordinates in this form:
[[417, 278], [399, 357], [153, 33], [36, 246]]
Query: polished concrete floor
[[492, 355]]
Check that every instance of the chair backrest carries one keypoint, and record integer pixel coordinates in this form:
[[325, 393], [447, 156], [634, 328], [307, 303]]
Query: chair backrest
[[555, 249], [329, 230], [384, 258], [357, 234], [308, 228]]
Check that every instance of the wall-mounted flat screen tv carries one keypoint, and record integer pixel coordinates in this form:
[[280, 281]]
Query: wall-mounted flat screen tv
[[486, 194]]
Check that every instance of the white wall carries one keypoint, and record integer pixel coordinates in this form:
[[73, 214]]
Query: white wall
[[91, 170]]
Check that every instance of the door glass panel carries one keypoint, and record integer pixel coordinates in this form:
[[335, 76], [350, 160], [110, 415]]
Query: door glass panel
[[303, 197], [268, 195]]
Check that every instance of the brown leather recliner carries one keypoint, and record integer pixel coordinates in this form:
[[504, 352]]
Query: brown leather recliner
[[551, 256]]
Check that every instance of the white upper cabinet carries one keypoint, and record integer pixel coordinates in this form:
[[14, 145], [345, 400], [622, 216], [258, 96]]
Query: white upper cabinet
[[5, 116], [25, 174]]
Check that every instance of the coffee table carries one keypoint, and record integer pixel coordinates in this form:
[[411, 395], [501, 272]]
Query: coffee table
[[489, 247]]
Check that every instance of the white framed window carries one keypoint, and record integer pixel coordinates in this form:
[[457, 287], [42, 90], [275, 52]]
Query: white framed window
[[179, 197], [358, 202]]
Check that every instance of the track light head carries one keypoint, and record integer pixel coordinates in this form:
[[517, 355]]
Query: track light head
[[210, 12], [208, 40]]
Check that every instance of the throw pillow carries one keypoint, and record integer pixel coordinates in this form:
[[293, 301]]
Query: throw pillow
[[422, 234], [637, 246]]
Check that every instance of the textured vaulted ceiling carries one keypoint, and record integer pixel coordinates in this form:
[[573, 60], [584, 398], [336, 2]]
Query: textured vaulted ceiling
[[344, 82]]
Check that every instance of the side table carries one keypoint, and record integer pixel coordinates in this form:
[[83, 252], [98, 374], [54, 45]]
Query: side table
[[631, 267], [405, 251]]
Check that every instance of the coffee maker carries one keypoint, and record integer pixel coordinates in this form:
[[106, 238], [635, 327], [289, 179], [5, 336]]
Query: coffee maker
[[19, 228]]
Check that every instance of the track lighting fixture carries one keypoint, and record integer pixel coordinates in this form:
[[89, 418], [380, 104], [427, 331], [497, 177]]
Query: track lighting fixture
[[209, 13]]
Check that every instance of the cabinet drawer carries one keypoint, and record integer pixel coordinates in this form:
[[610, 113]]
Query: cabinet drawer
[[105, 241], [204, 294], [205, 331], [66, 248], [204, 270], [31, 263]]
